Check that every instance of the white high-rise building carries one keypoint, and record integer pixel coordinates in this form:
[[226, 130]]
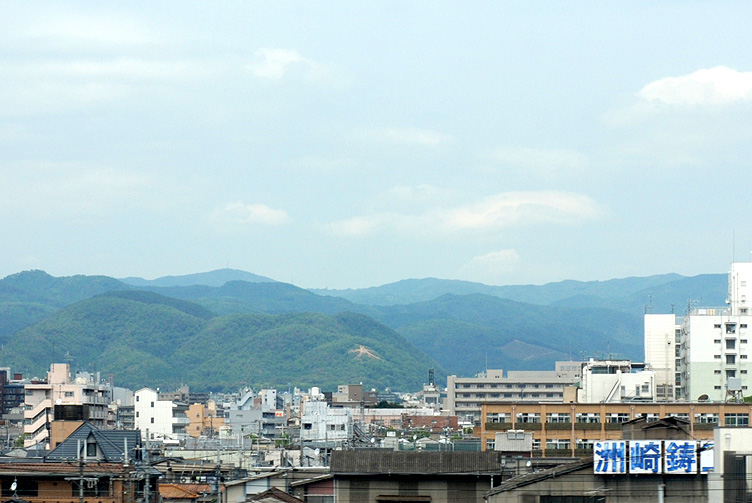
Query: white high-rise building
[[710, 345], [663, 353]]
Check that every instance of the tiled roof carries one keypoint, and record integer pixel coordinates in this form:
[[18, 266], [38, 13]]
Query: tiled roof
[[531, 478], [274, 495], [414, 462], [183, 491], [111, 443]]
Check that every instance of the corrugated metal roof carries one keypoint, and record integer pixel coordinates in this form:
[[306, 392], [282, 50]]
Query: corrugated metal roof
[[414, 462]]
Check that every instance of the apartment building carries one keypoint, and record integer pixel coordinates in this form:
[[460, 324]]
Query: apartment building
[[569, 429], [321, 423], [59, 389], [705, 354], [465, 395], [163, 420]]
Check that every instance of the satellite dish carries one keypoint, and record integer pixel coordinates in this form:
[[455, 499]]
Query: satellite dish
[[13, 486], [317, 451], [702, 398], [529, 464], [373, 440], [58, 402]]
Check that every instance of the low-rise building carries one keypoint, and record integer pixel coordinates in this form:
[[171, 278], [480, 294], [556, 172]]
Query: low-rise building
[[571, 429], [616, 381], [466, 394], [323, 424]]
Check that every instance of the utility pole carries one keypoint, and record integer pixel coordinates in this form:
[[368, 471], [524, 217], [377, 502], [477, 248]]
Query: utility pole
[[218, 474], [147, 469]]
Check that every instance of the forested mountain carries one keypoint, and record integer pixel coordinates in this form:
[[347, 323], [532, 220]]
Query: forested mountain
[[142, 338], [173, 334], [631, 295], [212, 278]]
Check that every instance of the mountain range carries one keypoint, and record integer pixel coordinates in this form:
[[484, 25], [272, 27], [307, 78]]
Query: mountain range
[[227, 328]]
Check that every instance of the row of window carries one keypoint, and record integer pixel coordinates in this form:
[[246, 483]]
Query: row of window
[[730, 359], [507, 386], [730, 419], [508, 395], [556, 443]]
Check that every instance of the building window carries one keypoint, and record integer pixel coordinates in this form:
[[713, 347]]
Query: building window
[[717, 357], [716, 341], [490, 444], [730, 359], [617, 417], [743, 341], [496, 417], [736, 419], [730, 328], [716, 387], [558, 417], [91, 449], [743, 325], [717, 372], [730, 373], [557, 443], [588, 417], [136, 413], [717, 325], [138, 398], [743, 372], [742, 357], [528, 417], [152, 404], [730, 343], [152, 420], [708, 418]]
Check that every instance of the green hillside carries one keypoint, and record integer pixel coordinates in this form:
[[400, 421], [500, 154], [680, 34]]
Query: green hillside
[[464, 332], [410, 291], [146, 339]]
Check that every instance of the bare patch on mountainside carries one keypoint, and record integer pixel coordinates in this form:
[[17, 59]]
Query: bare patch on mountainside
[[363, 352]]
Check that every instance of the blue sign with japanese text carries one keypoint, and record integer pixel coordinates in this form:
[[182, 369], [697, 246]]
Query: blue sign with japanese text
[[610, 456], [645, 456]]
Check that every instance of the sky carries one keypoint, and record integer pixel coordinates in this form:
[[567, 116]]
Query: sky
[[354, 144]]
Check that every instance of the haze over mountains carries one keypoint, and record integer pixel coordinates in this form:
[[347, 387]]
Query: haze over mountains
[[227, 328]]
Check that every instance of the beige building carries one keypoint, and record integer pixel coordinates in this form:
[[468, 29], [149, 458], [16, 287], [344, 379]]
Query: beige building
[[204, 419], [570, 429], [466, 394], [59, 389]]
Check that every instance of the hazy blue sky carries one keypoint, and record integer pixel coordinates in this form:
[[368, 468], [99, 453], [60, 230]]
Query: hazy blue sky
[[354, 144]]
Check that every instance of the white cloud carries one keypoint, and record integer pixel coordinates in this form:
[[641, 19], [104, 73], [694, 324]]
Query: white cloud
[[239, 213], [490, 265], [712, 86], [356, 226], [521, 208], [414, 136], [273, 64], [490, 214]]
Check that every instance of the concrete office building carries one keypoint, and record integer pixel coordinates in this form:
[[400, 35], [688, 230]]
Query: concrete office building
[[707, 351], [466, 394]]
